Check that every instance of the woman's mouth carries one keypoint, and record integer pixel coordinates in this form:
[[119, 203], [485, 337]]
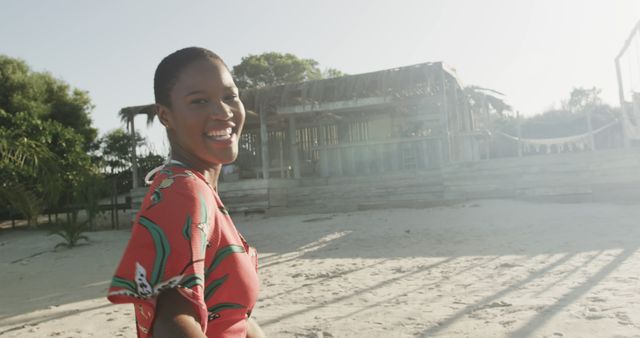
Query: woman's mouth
[[220, 134]]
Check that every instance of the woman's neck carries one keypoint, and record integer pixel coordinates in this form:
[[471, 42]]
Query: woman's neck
[[211, 172]]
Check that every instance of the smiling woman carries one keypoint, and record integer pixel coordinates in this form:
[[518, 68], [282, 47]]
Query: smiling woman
[[202, 112], [186, 268]]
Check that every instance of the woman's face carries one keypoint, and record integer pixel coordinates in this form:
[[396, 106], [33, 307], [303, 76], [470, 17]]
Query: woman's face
[[206, 117]]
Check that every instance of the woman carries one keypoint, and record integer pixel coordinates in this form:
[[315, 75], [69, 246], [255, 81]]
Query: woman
[[186, 269]]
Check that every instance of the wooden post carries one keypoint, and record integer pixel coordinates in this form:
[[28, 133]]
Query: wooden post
[[115, 199], [324, 154], [113, 217], [519, 126], [444, 115], [623, 108], [281, 155], [592, 143], [293, 143], [627, 43], [338, 153], [134, 160], [264, 142]]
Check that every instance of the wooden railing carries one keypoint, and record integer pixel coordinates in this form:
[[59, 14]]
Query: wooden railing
[[374, 157]]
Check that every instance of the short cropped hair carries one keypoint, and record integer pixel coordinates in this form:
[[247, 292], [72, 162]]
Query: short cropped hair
[[170, 67]]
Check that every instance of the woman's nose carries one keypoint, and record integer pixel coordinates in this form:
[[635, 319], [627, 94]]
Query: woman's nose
[[222, 111]]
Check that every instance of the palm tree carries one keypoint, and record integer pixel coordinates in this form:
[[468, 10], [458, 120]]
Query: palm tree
[[28, 155], [485, 99], [127, 115]]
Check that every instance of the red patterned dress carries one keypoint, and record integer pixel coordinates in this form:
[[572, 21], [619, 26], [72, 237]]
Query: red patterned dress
[[184, 238]]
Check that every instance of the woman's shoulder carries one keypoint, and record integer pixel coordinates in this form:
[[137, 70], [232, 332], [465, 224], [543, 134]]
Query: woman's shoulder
[[178, 177], [177, 182]]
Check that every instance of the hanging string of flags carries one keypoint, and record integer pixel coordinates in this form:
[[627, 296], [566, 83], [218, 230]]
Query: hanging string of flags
[[561, 144]]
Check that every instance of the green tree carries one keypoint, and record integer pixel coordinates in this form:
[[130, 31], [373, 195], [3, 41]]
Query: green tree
[[42, 163], [115, 147], [149, 161], [330, 73], [570, 118], [45, 97], [272, 69], [582, 99]]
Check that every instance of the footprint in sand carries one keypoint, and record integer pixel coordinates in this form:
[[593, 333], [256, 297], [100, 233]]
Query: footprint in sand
[[594, 317], [623, 318], [506, 323], [597, 299]]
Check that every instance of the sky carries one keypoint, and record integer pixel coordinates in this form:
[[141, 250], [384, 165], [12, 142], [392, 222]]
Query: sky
[[534, 51]]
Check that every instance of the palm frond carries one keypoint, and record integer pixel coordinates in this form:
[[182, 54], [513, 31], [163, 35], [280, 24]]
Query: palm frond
[[128, 113], [21, 199], [71, 232]]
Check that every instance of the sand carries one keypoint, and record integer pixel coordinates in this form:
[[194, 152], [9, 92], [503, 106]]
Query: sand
[[482, 269]]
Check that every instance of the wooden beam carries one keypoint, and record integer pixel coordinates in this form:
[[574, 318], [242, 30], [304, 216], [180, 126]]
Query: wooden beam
[[519, 131], [623, 106], [446, 137], [592, 143], [264, 142], [323, 153], [293, 139], [134, 157]]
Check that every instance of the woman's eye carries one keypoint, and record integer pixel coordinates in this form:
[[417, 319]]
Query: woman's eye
[[231, 97], [199, 101]]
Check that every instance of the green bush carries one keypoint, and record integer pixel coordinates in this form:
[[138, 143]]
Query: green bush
[[71, 231]]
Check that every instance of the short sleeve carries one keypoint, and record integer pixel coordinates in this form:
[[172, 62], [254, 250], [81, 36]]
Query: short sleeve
[[166, 249]]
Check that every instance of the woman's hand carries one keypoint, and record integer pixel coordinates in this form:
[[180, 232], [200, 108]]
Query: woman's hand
[[176, 317], [254, 330]]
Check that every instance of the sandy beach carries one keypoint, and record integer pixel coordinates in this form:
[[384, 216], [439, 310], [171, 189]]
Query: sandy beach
[[491, 268]]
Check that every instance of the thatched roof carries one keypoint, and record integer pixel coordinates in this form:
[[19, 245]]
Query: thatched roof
[[423, 79], [417, 80]]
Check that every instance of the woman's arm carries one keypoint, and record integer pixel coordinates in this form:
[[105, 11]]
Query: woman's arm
[[176, 317], [254, 330]]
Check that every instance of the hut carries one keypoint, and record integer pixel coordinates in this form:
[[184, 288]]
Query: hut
[[403, 123], [407, 118]]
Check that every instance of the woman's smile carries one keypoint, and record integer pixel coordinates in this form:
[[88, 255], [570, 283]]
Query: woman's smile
[[222, 137], [206, 116]]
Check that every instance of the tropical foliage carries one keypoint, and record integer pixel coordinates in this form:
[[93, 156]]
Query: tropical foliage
[[271, 69], [571, 117], [71, 232], [43, 163], [45, 134], [45, 97], [115, 149], [486, 101]]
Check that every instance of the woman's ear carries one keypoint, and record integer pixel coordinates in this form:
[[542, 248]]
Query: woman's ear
[[163, 115]]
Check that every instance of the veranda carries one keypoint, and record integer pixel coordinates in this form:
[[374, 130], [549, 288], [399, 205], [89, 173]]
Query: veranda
[[405, 118]]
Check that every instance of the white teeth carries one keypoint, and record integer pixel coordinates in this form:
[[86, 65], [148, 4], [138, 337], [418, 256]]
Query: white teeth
[[218, 133]]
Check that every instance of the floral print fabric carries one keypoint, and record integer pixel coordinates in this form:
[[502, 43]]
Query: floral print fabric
[[183, 238]]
